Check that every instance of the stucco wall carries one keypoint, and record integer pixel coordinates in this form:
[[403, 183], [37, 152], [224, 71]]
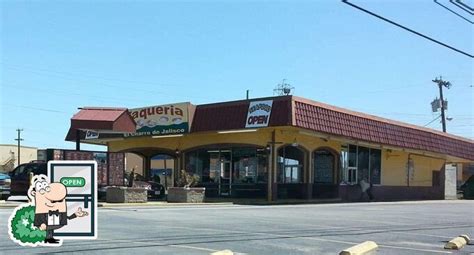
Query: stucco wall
[[135, 162], [394, 162], [190, 141], [394, 169], [7, 151]]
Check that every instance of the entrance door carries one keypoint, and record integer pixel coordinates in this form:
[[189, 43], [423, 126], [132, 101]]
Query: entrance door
[[292, 174], [225, 180], [325, 178], [225, 186]]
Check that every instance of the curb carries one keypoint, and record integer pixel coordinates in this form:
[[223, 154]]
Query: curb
[[163, 204], [120, 205], [7, 206], [4, 204], [360, 249]]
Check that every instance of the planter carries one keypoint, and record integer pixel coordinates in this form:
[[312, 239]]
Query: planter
[[186, 195], [126, 195]]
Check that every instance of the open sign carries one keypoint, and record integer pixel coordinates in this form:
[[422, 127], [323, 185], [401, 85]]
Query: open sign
[[258, 114], [258, 120], [73, 181]]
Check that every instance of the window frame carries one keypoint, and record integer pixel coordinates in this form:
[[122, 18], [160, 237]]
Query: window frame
[[333, 166], [282, 165], [347, 170]]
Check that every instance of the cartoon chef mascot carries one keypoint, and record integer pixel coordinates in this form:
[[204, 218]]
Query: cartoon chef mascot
[[34, 224]]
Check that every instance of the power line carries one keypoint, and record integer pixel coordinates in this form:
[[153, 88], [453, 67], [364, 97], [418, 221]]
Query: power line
[[85, 75], [36, 108], [74, 78], [432, 121], [461, 5], [465, 5], [407, 29], [68, 93], [455, 13]]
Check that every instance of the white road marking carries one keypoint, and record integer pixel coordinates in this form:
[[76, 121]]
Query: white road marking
[[179, 246], [353, 243], [164, 244], [413, 249], [233, 207], [204, 249], [317, 239], [419, 234], [193, 247]]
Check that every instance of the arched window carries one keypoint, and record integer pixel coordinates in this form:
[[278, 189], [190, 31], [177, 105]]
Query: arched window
[[323, 167], [290, 164]]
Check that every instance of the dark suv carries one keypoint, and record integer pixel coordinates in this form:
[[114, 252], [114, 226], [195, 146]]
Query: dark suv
[[20, 176], [468, 188]]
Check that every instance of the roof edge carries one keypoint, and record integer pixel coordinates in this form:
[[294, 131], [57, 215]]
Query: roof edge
[[244, 100], [377, 118], [103, 108], [16, 146]]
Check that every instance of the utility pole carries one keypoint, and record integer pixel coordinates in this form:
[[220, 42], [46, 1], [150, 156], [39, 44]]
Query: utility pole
[[19, 139], [439, 81]]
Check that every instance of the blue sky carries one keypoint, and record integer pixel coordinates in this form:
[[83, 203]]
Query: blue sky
[[60, 55]]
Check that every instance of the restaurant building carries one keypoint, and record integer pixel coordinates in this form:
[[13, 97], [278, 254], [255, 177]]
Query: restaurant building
[[286, 147]]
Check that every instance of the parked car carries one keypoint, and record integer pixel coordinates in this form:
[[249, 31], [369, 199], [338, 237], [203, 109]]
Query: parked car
[[5, 182], [154, 190], [467, 189], [20, 176]]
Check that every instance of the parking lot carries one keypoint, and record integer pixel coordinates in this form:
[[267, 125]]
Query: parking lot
[[398, 228]]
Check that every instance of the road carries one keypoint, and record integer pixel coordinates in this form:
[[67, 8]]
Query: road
[[399, 228]]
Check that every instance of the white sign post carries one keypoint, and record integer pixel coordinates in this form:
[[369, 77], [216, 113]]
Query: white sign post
[[450, 186]]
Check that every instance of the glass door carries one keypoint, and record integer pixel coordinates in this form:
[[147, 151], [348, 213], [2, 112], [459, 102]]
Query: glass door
[[225, 180]]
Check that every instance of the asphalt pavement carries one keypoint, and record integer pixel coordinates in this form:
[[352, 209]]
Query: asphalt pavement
[[398, 228]]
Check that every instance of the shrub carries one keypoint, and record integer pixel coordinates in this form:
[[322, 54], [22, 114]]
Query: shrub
[[187, 180]]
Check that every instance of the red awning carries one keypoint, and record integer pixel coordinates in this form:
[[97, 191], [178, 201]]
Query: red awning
[[106, 120]]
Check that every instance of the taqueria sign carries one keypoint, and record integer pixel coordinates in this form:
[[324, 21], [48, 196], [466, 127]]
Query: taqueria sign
[[161, 119]]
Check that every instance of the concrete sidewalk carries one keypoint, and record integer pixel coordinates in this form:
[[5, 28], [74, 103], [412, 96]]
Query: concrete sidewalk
[[159, 204], [11, 204], [208, 202], [15, 203], [227, 202]]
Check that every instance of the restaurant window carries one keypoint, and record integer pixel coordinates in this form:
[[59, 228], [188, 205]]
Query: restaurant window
[[290, 165], [262, 166], [358, 162], [244, 161], [363, 163], [244, 165], [375, 165], [323, 163], [349, 164]]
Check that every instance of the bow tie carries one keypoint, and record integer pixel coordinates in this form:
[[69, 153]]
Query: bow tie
[[56, 212]]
